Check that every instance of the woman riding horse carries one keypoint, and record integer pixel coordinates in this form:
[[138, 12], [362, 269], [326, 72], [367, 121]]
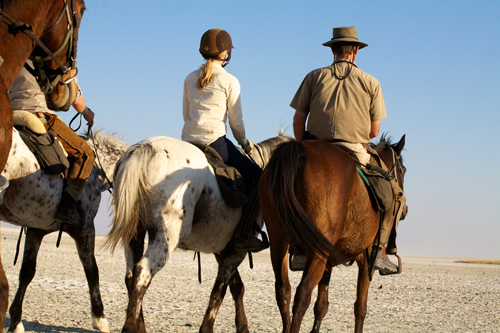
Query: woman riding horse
[[211, 94]]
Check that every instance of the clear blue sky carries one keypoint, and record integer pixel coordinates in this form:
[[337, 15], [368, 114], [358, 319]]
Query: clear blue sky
[[437, 62]]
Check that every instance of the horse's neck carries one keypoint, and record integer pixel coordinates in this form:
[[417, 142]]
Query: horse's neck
[[15, 50], [107, 152], [21, 161]]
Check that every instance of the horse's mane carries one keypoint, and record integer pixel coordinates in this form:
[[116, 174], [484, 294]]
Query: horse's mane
[[106, 140], [266, 147], [384, 142]]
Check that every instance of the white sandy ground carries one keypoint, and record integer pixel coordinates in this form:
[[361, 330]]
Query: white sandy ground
[[431, 295]]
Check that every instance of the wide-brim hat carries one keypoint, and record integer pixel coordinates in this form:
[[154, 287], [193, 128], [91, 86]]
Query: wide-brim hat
[[345, 35]]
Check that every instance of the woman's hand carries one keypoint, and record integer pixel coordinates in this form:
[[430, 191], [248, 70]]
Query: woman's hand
[[248, 146]]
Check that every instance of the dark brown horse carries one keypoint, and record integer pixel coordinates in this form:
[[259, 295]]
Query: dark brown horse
[[45, 31], [312, 195]]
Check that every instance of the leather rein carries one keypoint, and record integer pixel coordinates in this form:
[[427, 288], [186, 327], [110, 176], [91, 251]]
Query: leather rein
[[71, 37]]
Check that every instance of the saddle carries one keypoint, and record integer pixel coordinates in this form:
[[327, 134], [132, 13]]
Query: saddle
[[230, 181], [44, 145]]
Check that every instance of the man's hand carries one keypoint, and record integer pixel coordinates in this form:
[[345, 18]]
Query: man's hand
[[89, 116]]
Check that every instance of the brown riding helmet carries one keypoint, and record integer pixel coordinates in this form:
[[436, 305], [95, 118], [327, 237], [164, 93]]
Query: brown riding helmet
[[215, 41]]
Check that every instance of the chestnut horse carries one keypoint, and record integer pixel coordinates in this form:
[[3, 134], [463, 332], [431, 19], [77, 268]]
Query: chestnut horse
[[46, 30], [312, 195]]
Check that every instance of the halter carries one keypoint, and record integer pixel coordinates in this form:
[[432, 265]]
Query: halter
[[38, 61]]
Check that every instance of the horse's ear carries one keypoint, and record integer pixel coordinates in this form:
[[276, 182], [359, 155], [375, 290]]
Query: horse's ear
[[399, 147]]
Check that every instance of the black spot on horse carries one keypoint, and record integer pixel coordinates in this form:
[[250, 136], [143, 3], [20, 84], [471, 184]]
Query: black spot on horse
[[188, 161], [51, 185]]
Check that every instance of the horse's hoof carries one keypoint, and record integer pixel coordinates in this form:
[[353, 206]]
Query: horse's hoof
[[19, 328], [100, 324]]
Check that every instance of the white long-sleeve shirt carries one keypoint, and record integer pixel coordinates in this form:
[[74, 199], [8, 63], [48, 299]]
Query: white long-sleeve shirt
[[205, 111]]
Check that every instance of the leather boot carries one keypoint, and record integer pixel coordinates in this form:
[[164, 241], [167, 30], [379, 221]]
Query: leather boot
[[384, 265], [67, 212], [245, 237]]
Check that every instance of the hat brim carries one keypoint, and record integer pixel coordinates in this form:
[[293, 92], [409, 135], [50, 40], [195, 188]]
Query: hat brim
[[349, 40]]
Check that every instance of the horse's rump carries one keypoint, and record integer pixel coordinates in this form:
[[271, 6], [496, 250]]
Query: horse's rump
[[296, 174]]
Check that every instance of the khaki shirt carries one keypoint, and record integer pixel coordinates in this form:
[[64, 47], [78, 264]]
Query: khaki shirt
[[205, 111], [25, 93], [340, 109]]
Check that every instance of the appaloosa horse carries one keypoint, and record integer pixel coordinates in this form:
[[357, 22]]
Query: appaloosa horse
[[46, 30], [165, 187], [31, 201], [311, 194]]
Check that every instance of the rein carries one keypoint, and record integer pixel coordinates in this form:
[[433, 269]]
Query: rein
[[91, 135], [71, 37]]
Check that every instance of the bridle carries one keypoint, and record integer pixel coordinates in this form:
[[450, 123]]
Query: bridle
[[398, 169], [42, 74]]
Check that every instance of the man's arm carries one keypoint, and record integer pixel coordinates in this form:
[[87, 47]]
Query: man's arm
[[299, 125], [81, 107], [375, 129]]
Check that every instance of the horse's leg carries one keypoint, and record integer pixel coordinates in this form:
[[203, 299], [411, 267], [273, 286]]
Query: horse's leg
[[228, 261], [360, 305], [28, 268], [4, 294], [279, 260], [154, 259], [85, 243], [133, 253], [321, 306], [313, 273]]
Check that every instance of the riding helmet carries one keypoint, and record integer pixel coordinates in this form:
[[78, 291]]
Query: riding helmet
[[215, 41]]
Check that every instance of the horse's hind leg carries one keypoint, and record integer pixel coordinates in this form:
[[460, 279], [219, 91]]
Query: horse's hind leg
[[143, 272], [28, 268], [85, 244], [228, 261], [313, 273], [360, 305], [321, 305], [133, 253]]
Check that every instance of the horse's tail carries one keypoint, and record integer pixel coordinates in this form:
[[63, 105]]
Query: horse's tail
[[286, 163], [132, 192]]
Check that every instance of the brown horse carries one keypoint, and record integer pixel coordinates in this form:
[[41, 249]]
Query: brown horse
[[45, 31], [312, 195]]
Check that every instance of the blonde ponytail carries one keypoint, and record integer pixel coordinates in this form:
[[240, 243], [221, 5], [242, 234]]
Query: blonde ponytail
[[206, 74], [207, 71]]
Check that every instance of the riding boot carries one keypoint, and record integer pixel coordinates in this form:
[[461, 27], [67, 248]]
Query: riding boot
[[245, 237], [67, 212]]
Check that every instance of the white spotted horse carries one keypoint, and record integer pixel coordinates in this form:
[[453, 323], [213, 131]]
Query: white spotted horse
[[166, 188], [31, 201]]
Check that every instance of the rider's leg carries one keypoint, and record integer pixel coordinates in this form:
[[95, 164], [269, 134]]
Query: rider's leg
[[245, 237], [81, 159]]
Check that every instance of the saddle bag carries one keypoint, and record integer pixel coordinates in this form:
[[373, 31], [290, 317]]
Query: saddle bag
[[229, 179], [379, 186], [46, 148]]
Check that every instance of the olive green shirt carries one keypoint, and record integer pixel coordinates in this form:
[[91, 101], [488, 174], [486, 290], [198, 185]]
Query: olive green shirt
[[341, 101]]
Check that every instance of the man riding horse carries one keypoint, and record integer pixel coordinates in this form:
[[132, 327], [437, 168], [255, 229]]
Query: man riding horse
[[25, 94], [344, 106]]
